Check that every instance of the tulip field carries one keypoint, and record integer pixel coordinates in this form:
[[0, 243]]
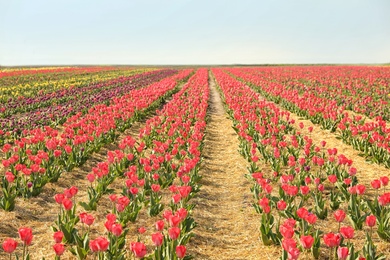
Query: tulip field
[[116, 162]]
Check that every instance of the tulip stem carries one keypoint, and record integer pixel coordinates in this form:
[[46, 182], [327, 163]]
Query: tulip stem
[[371, 232], [339, 227], [24, 250]]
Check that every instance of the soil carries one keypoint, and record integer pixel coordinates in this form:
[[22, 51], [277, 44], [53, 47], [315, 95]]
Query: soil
[[227, 222]]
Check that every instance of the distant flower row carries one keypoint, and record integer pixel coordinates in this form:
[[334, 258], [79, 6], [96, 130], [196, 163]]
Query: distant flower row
[[329, 105]]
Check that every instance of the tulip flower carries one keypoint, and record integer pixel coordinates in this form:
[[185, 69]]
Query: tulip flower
[[139, 249], [157, 239], [26, 236], [307, 241], [181, 251], [371, 221], [342, 253], [59, 249], [339, 215], [160, 225], [58, 236], [347, 232], [9, 246], [174, 232], [331, 239]]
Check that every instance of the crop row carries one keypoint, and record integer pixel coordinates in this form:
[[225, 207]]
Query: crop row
[[56, 111], [371, 137], [306, 190], [15, 88]]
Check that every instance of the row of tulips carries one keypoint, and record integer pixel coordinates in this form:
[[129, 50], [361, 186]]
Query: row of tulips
[[56, 114], [45, 154], [57, 96], [362, 89], [20, 87], [163, 162], [48, 70], [372, 138], [303, 183]]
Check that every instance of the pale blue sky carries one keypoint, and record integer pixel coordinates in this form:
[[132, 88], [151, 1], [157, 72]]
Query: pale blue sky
[[39, 32]]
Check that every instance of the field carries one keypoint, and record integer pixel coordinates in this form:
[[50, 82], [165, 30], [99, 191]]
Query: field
[[276, 162]]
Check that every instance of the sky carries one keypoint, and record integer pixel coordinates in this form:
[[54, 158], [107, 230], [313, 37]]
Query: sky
[[167, 32]]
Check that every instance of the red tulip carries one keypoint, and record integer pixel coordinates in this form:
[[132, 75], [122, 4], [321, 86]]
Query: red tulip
[[371, 221], [26, 235], [9, 245], [93, 245], [174, 221], [339, 215], [342, 253], [155, 187], [157, 239], [286, 231], [67, 203], [59, 249], [281, 205], [113, 197], [91, 177], [302, 213], [352, 190], [332, 178], [176, 198], [9, 177], [102, 244], [181, 251], [138, 249], [133, 190], [290, 222], [347, 232], [347, 181], [307, 241], [360, 189], [305, 190], [58, 236], [86, 218], [376, 184], [288, 244], [111, 217], [352, 171], [59, 198], [142, 230], [311, 218], [160, 225], [332, 240], [116, 229], [293, 254], [384, 180], [182, 213], [174, 233], [384, 200], [73, 190]]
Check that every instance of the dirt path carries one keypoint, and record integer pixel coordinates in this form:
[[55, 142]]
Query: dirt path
[[227, 223]]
